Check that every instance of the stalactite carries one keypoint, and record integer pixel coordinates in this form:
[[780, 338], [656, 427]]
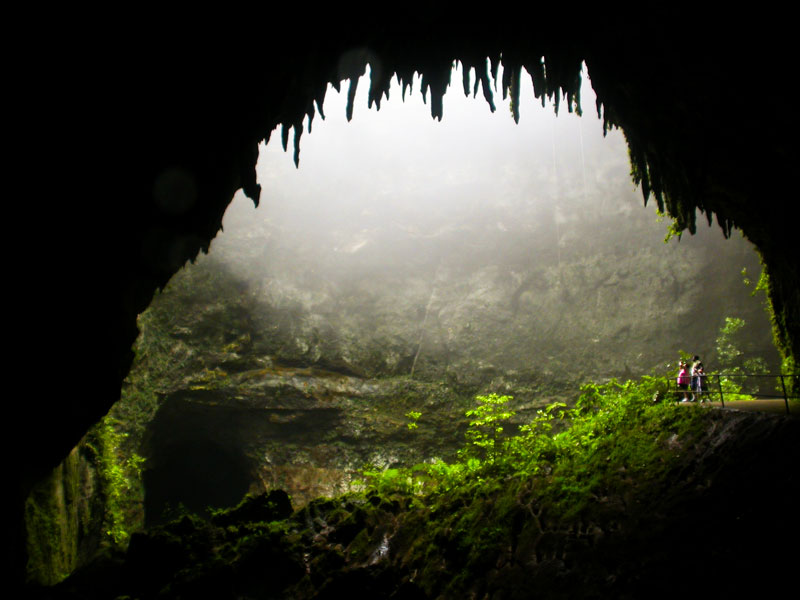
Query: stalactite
[[639, 171], [436, 81], [310, 120], [601, 114], [576, 95], [247, 169], [380, 83], [405, 80], [298, 131], [515, 89], [508, 69], [553, 76], [536, 71], [284, 136], [320, 102], [487, 89], [351, 96], [550, 88], [465, 70], [495, 62]]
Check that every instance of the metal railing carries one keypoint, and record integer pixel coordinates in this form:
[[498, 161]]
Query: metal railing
[[737, 385]]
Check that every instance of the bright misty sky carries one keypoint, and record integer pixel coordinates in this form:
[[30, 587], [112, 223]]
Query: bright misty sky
[[401, 155], [397, 175]]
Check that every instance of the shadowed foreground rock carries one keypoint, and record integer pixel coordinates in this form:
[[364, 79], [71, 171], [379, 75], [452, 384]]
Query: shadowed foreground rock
[[722, 522]]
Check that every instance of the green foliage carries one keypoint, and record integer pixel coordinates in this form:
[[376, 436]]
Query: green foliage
[[733, 366], [58, 516], [674, 230], [389, 481], [210, 379], [120, 475], [452, 520], [788, 363], [613, 431], [414, 416], [616, 432], [484, 435], [614, 442], [728, 352]]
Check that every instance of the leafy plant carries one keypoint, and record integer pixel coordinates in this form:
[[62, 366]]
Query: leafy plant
[[388, 481], [734, 368], [414, 416], [788, 364], [561, 465], [674, 230], [486, 427], [575, 454], [728, 352]]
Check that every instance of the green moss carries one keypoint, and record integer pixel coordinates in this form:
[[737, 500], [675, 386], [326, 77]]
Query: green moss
[[50, 543], [614, 440], [778, 317], [59, 520], [210, 379], [120, 478], [93, 499]]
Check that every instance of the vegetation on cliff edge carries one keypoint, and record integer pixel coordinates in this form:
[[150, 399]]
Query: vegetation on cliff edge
[[439, 527]]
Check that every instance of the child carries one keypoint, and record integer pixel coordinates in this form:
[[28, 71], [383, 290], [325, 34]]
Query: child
[[683, 380]]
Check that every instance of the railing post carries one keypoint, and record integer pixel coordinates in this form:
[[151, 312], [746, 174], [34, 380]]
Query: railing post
[[785, 395], [719, 385]]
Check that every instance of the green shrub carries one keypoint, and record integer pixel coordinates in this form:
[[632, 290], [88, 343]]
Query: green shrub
[[485, 433], [574, 455]]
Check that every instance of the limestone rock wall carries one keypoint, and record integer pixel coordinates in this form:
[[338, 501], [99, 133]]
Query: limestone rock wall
[[289, 358]]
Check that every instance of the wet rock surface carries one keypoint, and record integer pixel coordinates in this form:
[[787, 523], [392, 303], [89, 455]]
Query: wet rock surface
[[721, 522]]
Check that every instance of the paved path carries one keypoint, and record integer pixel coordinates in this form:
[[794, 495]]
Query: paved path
[[772, 405]]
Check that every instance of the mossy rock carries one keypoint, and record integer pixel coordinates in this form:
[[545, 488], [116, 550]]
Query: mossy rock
[[273, 506]]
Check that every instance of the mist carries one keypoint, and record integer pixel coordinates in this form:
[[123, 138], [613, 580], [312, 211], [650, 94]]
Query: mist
[[398, 173], [439, 245]]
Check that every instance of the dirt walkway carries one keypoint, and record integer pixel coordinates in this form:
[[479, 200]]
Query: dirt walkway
[[776, 406]]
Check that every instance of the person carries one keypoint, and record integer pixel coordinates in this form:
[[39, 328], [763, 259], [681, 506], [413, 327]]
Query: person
[[702, 384], [683, 380], [695, 379]]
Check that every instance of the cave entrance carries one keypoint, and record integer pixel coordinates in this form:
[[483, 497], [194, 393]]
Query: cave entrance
[[193, 463], [195, 475], [408, 265]]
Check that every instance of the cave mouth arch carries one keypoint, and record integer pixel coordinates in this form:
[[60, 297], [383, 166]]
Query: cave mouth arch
[[636, 55], [519, 298]]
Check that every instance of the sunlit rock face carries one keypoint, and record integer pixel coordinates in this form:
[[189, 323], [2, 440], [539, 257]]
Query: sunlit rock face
[[508, 297], [290, 356], [305, 430]]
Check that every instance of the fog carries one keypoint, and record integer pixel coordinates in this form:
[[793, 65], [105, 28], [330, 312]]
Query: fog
[[397, 171], [479, 234], [400, 156]]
